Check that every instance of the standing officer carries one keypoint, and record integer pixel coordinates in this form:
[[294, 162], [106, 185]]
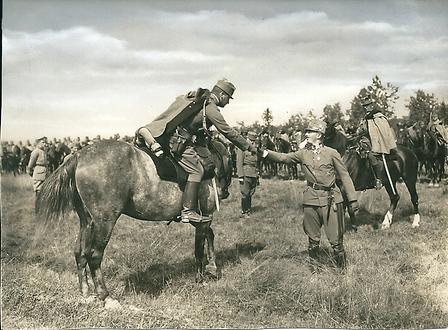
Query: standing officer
[[322, 199], [37, 166], [185, 124], [377, 137], [247, 171]]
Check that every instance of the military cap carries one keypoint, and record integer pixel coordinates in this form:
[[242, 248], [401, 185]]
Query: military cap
[[365, 97], [226, 86], [42, 139], [252, 135], [316, 125]]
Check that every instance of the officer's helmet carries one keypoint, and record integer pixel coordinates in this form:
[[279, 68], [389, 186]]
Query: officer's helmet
[[316, 125]]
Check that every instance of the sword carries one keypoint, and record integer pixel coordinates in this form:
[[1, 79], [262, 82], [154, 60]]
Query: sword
[[216, 193], [388, 174]]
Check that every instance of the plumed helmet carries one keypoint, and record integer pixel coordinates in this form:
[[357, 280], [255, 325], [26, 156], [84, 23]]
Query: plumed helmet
[[365, 97], [226, 86], [316, 125], [252, 135]]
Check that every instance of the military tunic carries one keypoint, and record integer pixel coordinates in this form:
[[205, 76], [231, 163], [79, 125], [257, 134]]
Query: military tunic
[[247, 170], [195, 153], [321, 167], [38, 165]]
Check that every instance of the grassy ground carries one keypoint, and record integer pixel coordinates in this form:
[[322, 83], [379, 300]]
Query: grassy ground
[[396, 278]]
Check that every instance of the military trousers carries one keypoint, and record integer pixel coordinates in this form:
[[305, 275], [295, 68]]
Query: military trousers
[[191, 163], [332, 220], [247, 189]]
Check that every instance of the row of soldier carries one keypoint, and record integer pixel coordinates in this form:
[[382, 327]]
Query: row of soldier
[[15, 156]]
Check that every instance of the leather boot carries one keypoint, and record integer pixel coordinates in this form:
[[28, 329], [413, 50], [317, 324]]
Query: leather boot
[[340, 257], [377, 167], [313, 254], [245, 211], [189, 212]]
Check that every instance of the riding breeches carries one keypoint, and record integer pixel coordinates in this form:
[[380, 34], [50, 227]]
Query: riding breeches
[[317, 216], [191, 163]]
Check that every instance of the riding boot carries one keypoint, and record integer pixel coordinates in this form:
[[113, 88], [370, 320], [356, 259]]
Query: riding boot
[[340, 257], [244, 207], [313, 254], [377, 167], [189, 211]]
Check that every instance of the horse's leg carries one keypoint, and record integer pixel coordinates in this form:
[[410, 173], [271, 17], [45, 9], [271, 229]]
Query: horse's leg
[[101, 232], [83, 246], [411, 185], [394, 198], [199, 241], [210, 268]]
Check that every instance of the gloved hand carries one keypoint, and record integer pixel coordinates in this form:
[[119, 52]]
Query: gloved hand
[[241, 180], [30, 172], [157, 150], [353, 207], [253, 149]]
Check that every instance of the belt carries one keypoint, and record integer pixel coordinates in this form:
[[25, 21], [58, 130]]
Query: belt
[[41, 164], [318, 186]]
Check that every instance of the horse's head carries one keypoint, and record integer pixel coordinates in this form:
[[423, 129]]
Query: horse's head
[[335, 139], [223, 165]]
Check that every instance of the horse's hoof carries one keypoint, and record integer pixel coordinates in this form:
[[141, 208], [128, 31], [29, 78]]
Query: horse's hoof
[[110, 303], [199, 278], [211, 271]]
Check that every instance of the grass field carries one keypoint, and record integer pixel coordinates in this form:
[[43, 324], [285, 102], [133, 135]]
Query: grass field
[[395, 279]]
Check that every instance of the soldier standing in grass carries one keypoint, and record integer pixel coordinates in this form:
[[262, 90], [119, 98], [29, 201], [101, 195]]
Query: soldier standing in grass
[[37, 166], [322, 199], [247, 171]]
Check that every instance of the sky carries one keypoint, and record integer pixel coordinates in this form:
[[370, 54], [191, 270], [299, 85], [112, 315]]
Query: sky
[[77, 68]]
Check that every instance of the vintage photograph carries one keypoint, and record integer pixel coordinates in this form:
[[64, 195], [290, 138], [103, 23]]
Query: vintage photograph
[[224, 164]]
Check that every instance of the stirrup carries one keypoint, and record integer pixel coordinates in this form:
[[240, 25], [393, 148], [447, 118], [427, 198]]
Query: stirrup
[[189, 215], [378, 184]]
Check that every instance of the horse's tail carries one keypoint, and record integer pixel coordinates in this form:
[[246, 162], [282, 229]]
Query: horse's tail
[[59, 193]]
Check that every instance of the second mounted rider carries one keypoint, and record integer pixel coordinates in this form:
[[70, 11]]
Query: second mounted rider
[[377, 137]]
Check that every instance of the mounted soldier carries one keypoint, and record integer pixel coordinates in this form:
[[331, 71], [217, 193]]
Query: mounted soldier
[[182, 130], [377, 137], [437, 129]]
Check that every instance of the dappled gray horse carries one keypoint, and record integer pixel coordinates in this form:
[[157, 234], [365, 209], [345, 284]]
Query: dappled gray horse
[[110, 178]]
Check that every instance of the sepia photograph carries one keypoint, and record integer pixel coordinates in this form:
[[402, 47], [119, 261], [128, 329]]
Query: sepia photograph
[[234, 164]]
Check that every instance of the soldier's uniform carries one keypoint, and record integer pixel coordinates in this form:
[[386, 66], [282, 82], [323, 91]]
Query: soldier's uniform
[[377, 137], [247, 171], [322, 199], [37, 165], [188, 139]]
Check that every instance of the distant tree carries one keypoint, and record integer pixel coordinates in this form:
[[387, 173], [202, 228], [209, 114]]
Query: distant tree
[[421, 106], [333, 113], [267, 117], [384, 97], [442, 111]]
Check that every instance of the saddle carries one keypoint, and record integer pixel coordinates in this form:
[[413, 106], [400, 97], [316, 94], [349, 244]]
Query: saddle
[[167, 168]]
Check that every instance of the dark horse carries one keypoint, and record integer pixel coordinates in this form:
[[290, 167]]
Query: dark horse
[[266, 166], [403, 164], [110, 178], [435, 152]]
